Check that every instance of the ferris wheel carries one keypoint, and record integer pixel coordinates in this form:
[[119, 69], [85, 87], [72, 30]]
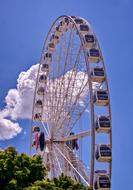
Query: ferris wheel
[[71, 119]]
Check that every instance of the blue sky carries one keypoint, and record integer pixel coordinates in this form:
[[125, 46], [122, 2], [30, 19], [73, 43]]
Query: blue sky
[[23, 28]]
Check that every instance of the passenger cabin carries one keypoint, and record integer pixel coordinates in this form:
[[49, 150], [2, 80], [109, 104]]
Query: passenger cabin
[[73, 144], [98, 75], [66, 20], [93, 55], [62, 26], [37, 116], [36, 129], [103, 124], [103, 153], [54, 39], [79, 21], [73, 17], [40, 91], [44, 67], [34, 143], [58, 31], [89, 40], [42, 142], [51, 47], [48, 57], [84, 28], [39, 104], [43, 78], [102, 182], [68, 23], [101, 98]]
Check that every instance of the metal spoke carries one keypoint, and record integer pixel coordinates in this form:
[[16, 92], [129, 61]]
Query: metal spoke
[[61, 171], [75, 136], [72, 165]]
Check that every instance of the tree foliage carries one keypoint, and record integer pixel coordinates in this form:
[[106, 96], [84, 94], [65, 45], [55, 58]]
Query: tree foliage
[[21, 172], [61, 183]]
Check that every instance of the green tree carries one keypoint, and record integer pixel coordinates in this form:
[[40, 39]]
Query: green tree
[[19, 171], [61, 183]]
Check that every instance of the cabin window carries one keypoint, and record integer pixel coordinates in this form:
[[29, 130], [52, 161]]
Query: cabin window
[[104, 182], [89, 38], [46, 66], [78, 21], [39, 102], [94, 52], [98, 71], [43, 77], [84, 27], [66, 20], [48, 55], [51, 45]]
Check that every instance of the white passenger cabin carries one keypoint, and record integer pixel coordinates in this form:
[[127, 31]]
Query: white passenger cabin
[[40, 91], [48, 57], [103, 153], [73, 17], [79, 21], [88, 40], [58, 31], [102, 181], [43, 78], [39, 104], [66, 21], [54, 39], [62, 26], [83, 28], [45, 67], [97, 74], [93, 55], [37, 116], [33, 143], [103, 124], [51, 47], [101, 98]]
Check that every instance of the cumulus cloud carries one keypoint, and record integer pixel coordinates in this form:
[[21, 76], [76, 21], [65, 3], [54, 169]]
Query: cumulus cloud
[[18, 104], [8, 129], [19, 100]]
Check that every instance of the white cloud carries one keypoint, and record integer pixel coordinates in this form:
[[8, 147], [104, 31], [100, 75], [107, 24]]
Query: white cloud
[[18, 104], [8, 129]]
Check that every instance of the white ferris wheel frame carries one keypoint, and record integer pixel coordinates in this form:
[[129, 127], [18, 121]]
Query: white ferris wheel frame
[[83, 134]]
